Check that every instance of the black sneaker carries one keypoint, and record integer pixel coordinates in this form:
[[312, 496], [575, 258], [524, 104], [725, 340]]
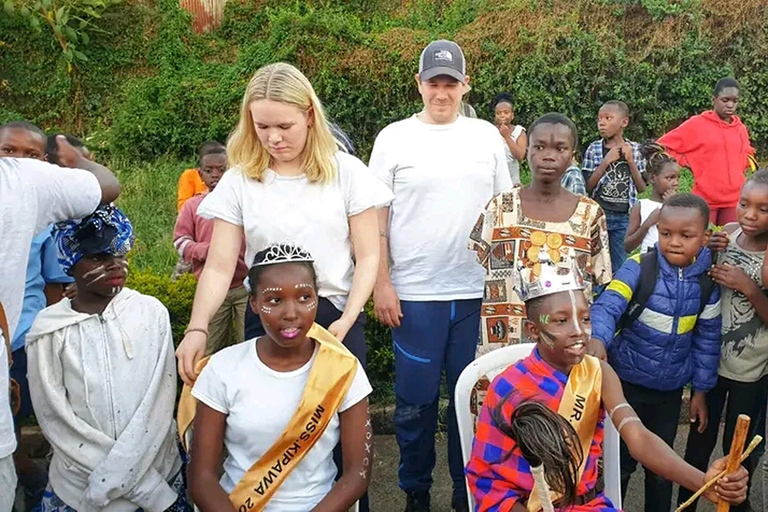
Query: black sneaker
[[417, 501], [460, 503]]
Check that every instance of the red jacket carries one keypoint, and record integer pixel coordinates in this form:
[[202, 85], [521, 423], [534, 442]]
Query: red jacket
[[716, 152], [192, 238]]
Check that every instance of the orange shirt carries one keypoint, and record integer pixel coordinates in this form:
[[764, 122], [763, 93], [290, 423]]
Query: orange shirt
[[190, 184]]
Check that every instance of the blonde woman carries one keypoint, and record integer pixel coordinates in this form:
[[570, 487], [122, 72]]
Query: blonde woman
[[289, 182]]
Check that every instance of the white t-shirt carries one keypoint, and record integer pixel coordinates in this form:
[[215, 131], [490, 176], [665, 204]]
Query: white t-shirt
[[512, 163], [442, 177], [33, 194], [259, 403], [312, 215], [647, 207]]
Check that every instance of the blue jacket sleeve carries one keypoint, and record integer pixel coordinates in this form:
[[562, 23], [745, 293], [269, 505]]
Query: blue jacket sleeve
[[705, 347], [612, 303]]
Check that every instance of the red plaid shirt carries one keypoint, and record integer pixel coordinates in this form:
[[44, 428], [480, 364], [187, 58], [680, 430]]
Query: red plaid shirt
[[498, 474]]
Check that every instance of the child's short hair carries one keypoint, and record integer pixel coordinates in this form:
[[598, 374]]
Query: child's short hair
[[257, 267], [52, 147], [556, 118], [725, 83], [619, 105], [23, 125], [503, 97], [211, 147], [656, 157], [686, 200], [760, 176]]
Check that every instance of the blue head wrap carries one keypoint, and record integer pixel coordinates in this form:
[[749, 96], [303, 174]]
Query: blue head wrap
[[107, 230]]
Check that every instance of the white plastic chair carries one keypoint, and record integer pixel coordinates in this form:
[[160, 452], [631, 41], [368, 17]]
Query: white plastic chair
[[188, 441], [489, 366]]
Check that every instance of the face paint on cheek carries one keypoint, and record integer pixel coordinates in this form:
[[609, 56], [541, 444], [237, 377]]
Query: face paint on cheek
[[548, 338], [544, 319], [266, 310], [99, 273], [312, 305]]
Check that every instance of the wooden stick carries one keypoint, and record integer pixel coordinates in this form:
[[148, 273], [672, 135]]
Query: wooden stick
[[755, 442], [734, 458]]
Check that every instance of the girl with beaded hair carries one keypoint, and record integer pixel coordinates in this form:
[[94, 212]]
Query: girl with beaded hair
[[289, 181], [280, 403]]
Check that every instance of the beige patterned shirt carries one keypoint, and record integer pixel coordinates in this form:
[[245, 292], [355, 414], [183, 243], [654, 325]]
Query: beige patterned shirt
[[503, 236]]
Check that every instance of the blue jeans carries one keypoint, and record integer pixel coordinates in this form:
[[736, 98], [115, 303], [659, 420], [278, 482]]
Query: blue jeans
[[617, 230], [432, 337]]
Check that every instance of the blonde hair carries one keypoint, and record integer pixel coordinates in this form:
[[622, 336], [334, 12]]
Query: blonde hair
[[284, 83]]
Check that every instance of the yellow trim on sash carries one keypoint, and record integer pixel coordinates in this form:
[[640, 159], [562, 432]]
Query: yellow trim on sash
[[329, 379], [621, 288], [580, 405], [686, 324]]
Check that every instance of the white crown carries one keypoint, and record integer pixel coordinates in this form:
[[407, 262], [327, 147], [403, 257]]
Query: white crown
[[552, 278], [286, 252]]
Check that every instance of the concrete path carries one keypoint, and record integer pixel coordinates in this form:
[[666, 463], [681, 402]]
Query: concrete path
[[385, 495]]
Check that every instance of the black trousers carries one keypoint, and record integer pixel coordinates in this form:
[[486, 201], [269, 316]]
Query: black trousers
[[354, 341], [736, 398], [660, 413]]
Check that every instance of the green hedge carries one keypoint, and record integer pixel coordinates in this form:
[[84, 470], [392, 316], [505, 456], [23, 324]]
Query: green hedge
[[152, 87]]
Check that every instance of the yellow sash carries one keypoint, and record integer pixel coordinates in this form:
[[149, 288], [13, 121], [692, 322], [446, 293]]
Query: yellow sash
[[580, 405], [329, 379]]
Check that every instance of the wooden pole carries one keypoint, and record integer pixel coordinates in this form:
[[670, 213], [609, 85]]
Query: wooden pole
[[737, 446]]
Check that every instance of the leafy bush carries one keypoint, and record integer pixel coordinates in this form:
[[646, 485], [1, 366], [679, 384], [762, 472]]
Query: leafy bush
[[152, 87]]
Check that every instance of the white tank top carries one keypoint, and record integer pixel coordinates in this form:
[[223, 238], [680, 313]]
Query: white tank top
[[647, 207]]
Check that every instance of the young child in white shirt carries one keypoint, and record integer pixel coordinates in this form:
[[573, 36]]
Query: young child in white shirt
[[103, 381], [280, 403]]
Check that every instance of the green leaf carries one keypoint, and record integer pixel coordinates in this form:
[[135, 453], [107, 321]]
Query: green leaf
[[81, 56], [84, 38], [24, 11], [47, 4], [59, 13], [57, 30], [8, 7], [71, 34], [34, 22]]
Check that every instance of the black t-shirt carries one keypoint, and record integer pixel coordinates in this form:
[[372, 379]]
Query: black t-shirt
[[613, 191]]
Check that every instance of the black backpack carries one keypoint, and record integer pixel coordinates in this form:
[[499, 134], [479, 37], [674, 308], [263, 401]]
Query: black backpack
[[649, 274]]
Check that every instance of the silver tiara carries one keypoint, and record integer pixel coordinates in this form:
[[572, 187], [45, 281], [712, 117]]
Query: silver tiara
[[285, 252]]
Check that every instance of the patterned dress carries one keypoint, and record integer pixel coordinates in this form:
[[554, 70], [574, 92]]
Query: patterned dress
[[497, 473], [504, 237]]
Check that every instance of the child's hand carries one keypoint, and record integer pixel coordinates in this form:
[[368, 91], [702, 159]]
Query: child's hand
[[699, 411], [68, 156], [505, 130], [653, 218], [626, 150], [596, 348], [613, 155], [669, 193], [718, 241], [732, 277]]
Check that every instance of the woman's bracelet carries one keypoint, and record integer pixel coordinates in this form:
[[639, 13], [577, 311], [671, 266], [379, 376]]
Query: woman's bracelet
[[196, 329]]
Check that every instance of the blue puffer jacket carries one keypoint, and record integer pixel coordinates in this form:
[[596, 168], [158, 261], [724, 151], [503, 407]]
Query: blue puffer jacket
[[668, 346]]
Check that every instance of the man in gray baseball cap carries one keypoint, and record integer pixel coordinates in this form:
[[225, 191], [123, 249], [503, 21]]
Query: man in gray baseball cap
[[443, 169]]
